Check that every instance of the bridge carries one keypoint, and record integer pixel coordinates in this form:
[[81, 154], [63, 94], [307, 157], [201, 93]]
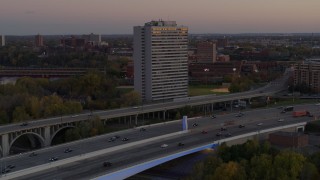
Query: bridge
[[126, 156], [45, 130]]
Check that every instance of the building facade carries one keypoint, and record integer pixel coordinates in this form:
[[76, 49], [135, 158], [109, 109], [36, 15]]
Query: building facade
[[38, 40], [308, 73], [161, 60], [206, 52], [3, 40]]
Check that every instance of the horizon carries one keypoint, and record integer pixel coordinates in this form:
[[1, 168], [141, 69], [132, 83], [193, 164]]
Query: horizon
[[119, 17]]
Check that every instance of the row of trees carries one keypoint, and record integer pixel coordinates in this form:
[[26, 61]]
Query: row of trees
[[257, 162], [32, 98]]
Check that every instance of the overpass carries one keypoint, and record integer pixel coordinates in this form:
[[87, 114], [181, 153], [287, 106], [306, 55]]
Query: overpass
[[45, 130], [127, 156]]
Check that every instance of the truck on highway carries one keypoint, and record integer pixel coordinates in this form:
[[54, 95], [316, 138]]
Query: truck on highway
[[301, 113]]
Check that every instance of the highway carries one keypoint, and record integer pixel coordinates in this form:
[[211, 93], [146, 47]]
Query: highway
[[269, 89], [125, 157]]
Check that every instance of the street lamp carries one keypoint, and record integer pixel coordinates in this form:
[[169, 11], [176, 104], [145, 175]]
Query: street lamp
[[234, 72], [206, 70]]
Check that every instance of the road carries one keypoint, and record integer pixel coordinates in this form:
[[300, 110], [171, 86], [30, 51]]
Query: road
[[123, 158], [271, 88]]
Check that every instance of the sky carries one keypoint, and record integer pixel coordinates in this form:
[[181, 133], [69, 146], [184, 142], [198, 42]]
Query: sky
[[49, 17]]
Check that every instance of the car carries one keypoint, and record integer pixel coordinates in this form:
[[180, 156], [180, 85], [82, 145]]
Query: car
[[142, 129], [53, 159], [213, 116], [223, 129], [259, 124], [280, 120], [164, 145], [111, 139], [5, 170], [227, 135], [136, 107], [75, 116], [238, 115], [24, 124], [195, 124], [282, 112], [204, 132], [117, 137], [107, 164], [125, 139], [218, 134], [180, 144], [33, 154], [241, 126], [67, 150], [11, 166]]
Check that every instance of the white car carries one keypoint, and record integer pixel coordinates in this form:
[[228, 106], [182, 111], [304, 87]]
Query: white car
[[259, 124], [164, 145], [280, 120]]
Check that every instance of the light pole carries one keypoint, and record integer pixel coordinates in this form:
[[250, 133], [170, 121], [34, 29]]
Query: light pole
[[206, 70], [234, 72]]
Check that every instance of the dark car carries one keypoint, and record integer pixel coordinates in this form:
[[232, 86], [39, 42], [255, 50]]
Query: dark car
[[53, 159], [227, 135], [218, 134], [241, 126], [33, 154], [213, 116], [204, 132], [180, 144], [67, 150], [125, 139], [107, 164], [112, 139], [24, 124], [11, 166], [5, 170], [223, 129], [142, 129], [195, 124]]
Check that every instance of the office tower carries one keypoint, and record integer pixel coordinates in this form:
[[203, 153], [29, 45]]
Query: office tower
[[206, 52], [94, 39], [3, 40], [38, 40], [161, 60]]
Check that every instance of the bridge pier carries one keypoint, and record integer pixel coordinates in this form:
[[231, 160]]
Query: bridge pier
[[47, 136], [5, 144], [164, 115]]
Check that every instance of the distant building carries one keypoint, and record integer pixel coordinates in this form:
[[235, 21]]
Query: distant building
[[93, 39], [161, 60], [206, 52], [221, 43], [38, 40], [289, 139], [3, 40], [73, 42], [223, 58], [308, 73]]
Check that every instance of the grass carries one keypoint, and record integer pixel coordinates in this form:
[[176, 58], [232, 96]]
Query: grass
[[203, 90]]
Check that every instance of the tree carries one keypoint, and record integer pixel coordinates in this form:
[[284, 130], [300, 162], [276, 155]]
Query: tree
[[310, 172], [19, 114], [230, 171], [261, 167], [288, 165]]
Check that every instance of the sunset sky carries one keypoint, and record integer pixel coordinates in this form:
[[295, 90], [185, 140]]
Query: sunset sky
[[29, 17]]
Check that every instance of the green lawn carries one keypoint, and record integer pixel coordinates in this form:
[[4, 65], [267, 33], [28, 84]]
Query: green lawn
[[203, 90]]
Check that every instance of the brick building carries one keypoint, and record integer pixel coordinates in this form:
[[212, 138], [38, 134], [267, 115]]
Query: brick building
[[289, 139]]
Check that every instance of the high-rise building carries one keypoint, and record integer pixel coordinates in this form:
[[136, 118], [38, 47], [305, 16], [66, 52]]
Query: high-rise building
[[3, 40], [161, 60], [38, 40], [206, 52], [94, 39]]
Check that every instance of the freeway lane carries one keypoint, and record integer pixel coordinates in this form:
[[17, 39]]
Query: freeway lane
[[269, 89], [269, 118]]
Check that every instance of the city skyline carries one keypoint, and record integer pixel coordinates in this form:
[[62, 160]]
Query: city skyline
[[118, 17]]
